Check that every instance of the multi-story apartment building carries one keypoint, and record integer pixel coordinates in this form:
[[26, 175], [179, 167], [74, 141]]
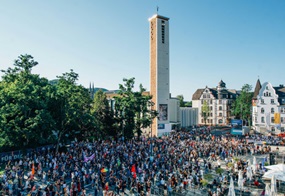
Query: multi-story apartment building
[[268, 108], [218, 100]]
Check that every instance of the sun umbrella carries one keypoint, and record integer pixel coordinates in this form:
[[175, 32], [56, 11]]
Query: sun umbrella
[[249, 173], [273, 191], [278, 171], [254, 168], [267, 190], [248, 163], [231, 188], [240, 180]]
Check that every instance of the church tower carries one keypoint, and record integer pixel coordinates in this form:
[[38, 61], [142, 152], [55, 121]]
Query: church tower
[[159, 71]]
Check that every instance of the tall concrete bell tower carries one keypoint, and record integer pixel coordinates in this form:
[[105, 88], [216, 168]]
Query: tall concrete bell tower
[[159, 71]]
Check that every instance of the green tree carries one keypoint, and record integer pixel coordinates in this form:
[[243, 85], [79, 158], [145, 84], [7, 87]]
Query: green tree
[[71, 108], [133, 109], [181, 100], [25, 118], [188, 104], [241, 107], [103, 115], [205, 111]]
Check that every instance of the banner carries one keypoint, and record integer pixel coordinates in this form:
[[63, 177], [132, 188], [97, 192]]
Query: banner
[[277, 118], [162, 112], [236, 127], [86, 159]]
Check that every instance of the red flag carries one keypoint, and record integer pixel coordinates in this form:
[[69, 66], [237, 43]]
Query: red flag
[[33, 169], [133, 168]]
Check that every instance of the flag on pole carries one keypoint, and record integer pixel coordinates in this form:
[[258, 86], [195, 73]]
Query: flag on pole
[[86, 159], [33, 169], [133, 170]]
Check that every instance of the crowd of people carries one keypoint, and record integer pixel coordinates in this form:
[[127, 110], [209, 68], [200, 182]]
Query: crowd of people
[[170, 164]]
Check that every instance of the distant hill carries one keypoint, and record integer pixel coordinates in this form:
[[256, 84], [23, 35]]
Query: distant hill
[[97, 89]]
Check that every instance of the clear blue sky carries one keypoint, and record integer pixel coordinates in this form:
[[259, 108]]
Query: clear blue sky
[[106, 41]]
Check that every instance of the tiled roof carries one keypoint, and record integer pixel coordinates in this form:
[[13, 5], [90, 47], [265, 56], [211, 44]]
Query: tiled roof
[[257, 89], [197, 94], [280, 91]]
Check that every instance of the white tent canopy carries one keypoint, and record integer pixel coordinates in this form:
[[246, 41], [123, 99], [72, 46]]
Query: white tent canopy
[[275, 170], [240, 179]]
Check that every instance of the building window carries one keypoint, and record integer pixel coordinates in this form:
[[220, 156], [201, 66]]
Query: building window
[[220, 114], [272, 100], [272, 110], [220, 102], [211, 108], [208, 95], [202, 121], [272, 129], [255, 119], [162, 31], [204, 96], [282, 129], [262, 110], [272, 119], [220, 108], [282, 110], [211, 114], [282, 120], [220, 121], [211, 102], [211, 121], [262, 119], [262, 100], [266, 87]]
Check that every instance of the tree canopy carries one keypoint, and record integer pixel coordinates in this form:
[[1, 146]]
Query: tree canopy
[[241, 107], [133, 109], [35, 111], [25, 115], [205, 111]]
